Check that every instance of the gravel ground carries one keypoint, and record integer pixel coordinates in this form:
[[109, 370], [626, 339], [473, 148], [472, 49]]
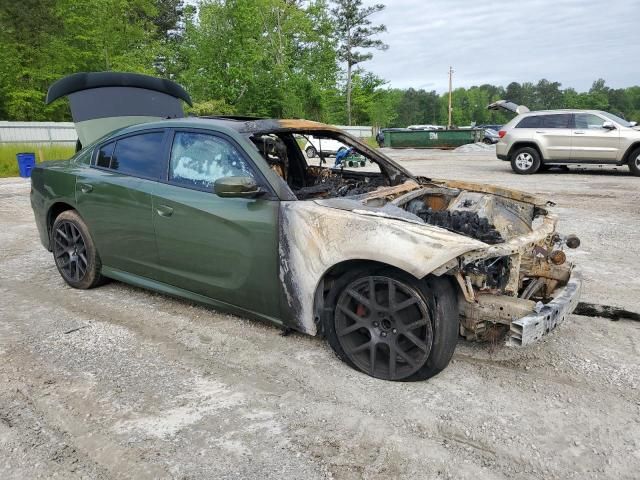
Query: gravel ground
[[118, 382]]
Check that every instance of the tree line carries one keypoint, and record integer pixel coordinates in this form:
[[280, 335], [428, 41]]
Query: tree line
[[279, 58]]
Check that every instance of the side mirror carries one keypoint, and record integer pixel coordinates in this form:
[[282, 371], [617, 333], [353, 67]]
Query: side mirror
[[608, 125], [237, 187]]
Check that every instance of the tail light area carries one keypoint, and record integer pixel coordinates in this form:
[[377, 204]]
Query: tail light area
[[502, 133]]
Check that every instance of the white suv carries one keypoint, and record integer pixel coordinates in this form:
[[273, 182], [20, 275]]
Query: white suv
[[537, 140]]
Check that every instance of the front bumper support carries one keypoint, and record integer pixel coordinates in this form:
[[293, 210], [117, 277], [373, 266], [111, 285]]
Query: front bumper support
[[532, 327]]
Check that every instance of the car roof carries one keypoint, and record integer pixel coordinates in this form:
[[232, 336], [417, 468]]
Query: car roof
[[559, 111], [238, 124]]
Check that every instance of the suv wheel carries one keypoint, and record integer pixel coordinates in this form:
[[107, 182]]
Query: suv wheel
[[525, 161], [634, 162], [311, 152]]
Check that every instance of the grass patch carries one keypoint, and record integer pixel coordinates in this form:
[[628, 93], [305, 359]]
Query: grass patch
[[8, 151]]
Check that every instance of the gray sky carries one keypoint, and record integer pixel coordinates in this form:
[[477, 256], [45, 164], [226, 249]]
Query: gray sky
[[570, 41]]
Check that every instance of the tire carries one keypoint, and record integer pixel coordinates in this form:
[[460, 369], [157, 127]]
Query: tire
[[311, 152], [525, 161], [487, 141], [634, 162], [74, 251], [432, 311]]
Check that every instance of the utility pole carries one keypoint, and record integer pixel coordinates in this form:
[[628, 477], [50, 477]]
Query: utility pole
[[450, 84]]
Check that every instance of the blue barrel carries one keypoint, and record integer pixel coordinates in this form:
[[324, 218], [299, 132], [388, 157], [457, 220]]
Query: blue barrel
[[26, 162]]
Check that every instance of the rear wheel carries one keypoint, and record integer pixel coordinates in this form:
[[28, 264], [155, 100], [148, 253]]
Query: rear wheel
[[634, 162], [525, 161], [74, 252], [391, 326]]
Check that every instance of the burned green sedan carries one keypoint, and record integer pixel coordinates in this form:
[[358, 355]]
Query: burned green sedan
[[229, 212]]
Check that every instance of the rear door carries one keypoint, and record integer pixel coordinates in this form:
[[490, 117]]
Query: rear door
[[114, 197], [591, 142], [554, 134], [223, 248]]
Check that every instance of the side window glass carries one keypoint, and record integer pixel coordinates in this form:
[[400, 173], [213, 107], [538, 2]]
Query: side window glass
[[557, 121], [199, 159], [586, 121], [530, 122], [139, 155], [104, 155]]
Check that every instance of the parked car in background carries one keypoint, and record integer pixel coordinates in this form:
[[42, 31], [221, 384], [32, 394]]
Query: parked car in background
[[426, 127], [490, 136], [326, 147], [495, 127], [538, 140]]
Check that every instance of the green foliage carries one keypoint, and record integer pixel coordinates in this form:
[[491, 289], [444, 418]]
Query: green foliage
[[8, 151], [275, 58]]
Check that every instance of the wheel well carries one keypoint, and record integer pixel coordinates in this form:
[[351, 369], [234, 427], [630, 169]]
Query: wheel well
[[333, 273], [518, 145], [634, 146], [55, 210]]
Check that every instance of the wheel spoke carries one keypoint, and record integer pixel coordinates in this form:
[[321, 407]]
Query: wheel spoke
[[392, 361], [362, 347], [415, 340], [406, 357], [413, 325], [372, 357], [407, 303], [392, 293], [60, 232], [355, 295], [372, 291]]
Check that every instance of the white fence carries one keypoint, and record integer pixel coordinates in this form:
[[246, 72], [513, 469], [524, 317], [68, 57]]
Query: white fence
[[65, 132], [59, 133]]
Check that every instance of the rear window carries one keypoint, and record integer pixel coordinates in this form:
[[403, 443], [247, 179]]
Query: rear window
[[561, 120], [137, 155]]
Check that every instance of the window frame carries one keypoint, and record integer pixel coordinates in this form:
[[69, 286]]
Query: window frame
[[571, 123], [260, 179], [575, 125], [116, 139]]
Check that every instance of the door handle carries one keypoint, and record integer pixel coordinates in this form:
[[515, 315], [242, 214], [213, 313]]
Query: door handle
[[579, 132], [541, 131], [85, 188], [164, 210]]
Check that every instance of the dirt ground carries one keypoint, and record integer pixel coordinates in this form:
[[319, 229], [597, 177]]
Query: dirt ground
[[119, 382]]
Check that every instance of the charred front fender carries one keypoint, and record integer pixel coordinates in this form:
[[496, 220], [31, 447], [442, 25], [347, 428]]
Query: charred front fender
[[314, 238]]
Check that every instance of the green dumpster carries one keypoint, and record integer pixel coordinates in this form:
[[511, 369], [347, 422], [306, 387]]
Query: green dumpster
[[444, 139]]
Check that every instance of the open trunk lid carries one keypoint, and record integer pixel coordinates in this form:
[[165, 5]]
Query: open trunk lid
[[105, 101]]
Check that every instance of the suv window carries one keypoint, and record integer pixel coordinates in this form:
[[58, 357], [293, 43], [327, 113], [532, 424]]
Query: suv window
[[588, 121], [137, 155], [561, 120], [199, 159]]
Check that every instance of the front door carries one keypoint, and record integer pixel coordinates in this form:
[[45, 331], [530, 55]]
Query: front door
[[114, 197], [223, 248], [593, 142]]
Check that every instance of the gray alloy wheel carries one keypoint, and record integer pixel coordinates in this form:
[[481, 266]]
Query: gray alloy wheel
[[74, 252], [634, 162], [525, 161], [311, 152], [384, 327]]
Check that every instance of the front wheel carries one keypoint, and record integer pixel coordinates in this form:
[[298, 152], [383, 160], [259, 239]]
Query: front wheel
[[634, 162], [74, 252], [525, 161], [391, 326]]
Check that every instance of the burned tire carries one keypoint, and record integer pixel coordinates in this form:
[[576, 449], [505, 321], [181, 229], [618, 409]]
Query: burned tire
[[634, 162], [525, 161], [391, 326], [74, 252], [311, 152]]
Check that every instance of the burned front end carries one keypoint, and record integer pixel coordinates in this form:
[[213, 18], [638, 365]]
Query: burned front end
[[520, 285], [522, 282]]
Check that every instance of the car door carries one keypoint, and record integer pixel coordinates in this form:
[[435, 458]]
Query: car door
[[223, 248], [592, 142], [554, 134], [114, 197]]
